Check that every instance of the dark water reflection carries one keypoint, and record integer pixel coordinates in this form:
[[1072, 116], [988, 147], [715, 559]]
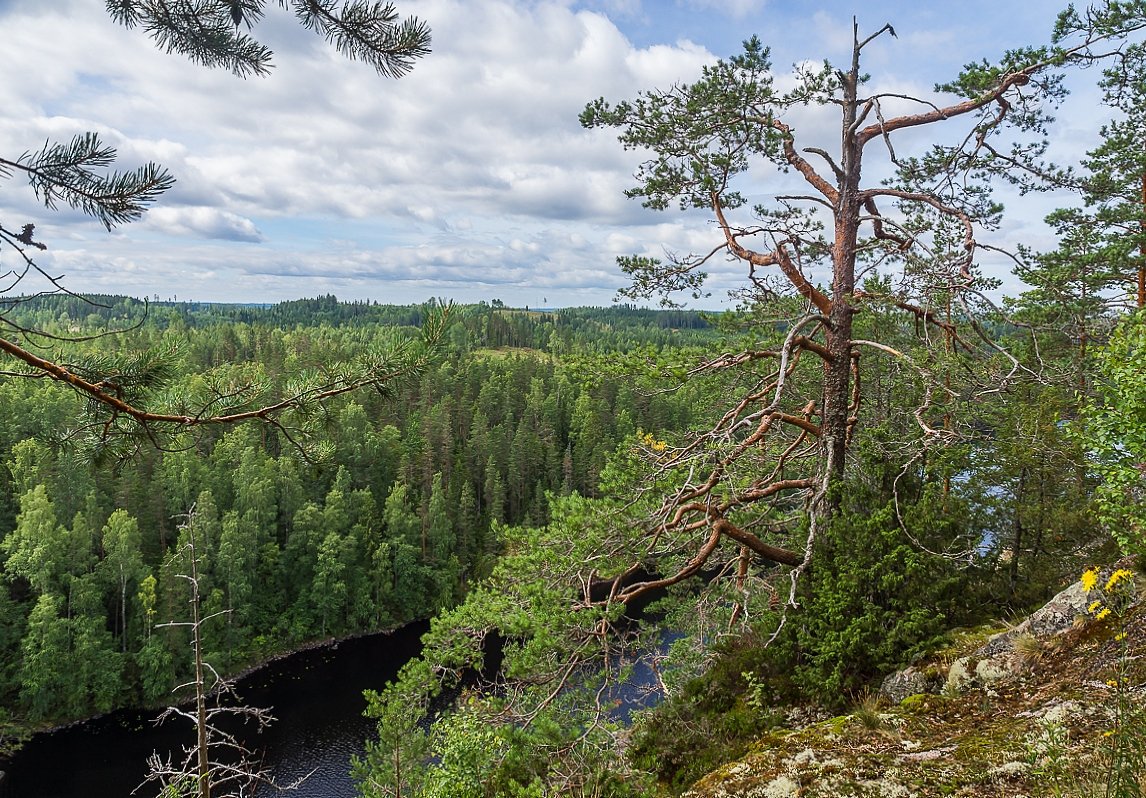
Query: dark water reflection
[[316, 697]]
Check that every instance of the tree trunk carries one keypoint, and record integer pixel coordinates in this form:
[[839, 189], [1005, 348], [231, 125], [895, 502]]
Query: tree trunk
[[123, 609], [837, 371], [200, 685], [1142, 252], [1017, 531]]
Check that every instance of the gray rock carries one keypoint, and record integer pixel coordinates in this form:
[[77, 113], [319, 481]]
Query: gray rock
[[912, 681], [996, 659], [1001, 643], [1058, 614], [994, 669], [1053, 618]]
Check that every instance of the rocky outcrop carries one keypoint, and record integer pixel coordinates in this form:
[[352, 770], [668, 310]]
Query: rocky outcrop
[[985, 719], [1057, 615], [1003, 654]]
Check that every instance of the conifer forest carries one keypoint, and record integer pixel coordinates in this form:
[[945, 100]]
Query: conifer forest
[[659, 550]]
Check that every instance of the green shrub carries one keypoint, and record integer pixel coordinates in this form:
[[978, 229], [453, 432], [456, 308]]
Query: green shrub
[[874, 599], [871, 602]]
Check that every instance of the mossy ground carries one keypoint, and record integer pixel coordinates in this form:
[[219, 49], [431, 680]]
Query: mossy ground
[[1001, 740]]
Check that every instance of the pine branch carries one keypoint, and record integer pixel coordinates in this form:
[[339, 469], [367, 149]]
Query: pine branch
[[119, 391], [208, 31], [66, 173], [369, 32]]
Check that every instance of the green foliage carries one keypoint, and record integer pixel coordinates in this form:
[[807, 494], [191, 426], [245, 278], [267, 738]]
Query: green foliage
[[44, 680], [715, 716], [1124, 757], [37, 549], [211, 32], [983, 76], [478, 758], [1117, 768], [557, 739], [1026, 479], [408, 513], [1102, 246], [70, 667], [705, 132], [72, 173], [871, 602], [393, 764], [156, 670], [1113, 428], [394, 527], [873, 598]]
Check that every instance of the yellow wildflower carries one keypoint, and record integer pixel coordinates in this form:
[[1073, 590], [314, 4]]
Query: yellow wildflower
[[650, 441], [1120, 636], [1089, 579], [1103, 614], [1094, 605], [1118, 576], [1111, 682]]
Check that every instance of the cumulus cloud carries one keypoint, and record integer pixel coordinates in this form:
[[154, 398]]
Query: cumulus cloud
[[472, 171], [203, 223], [737, 9], [481, 139]]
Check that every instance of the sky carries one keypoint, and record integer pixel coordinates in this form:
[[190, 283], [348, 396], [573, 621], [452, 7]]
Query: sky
[[470, 178]]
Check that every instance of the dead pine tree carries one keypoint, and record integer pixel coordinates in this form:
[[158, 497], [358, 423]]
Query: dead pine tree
[[218, 764]]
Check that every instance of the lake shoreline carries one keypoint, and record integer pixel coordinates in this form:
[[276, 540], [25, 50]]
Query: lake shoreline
[[23, 735], [315, 692]]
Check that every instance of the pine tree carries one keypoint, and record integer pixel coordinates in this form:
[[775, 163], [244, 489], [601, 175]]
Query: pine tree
[[782, 443], [1115, 188], [441, 542], [123, 391]]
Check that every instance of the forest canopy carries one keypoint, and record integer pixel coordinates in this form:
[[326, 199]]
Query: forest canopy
[[886, 453], [767, 508]]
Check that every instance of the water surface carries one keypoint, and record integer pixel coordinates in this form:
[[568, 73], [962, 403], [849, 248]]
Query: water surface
[[315, 695]]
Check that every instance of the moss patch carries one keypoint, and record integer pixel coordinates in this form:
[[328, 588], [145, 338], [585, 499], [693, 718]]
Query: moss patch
[[1003, 740]]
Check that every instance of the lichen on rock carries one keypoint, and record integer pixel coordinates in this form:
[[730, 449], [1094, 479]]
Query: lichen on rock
[[1002, 720]]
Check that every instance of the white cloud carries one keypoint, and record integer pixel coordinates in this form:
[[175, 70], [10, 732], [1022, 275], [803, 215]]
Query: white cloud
[[472, 170], [202, 222]]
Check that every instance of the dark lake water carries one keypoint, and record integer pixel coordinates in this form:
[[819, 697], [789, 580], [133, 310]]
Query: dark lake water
[[316, 697]]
